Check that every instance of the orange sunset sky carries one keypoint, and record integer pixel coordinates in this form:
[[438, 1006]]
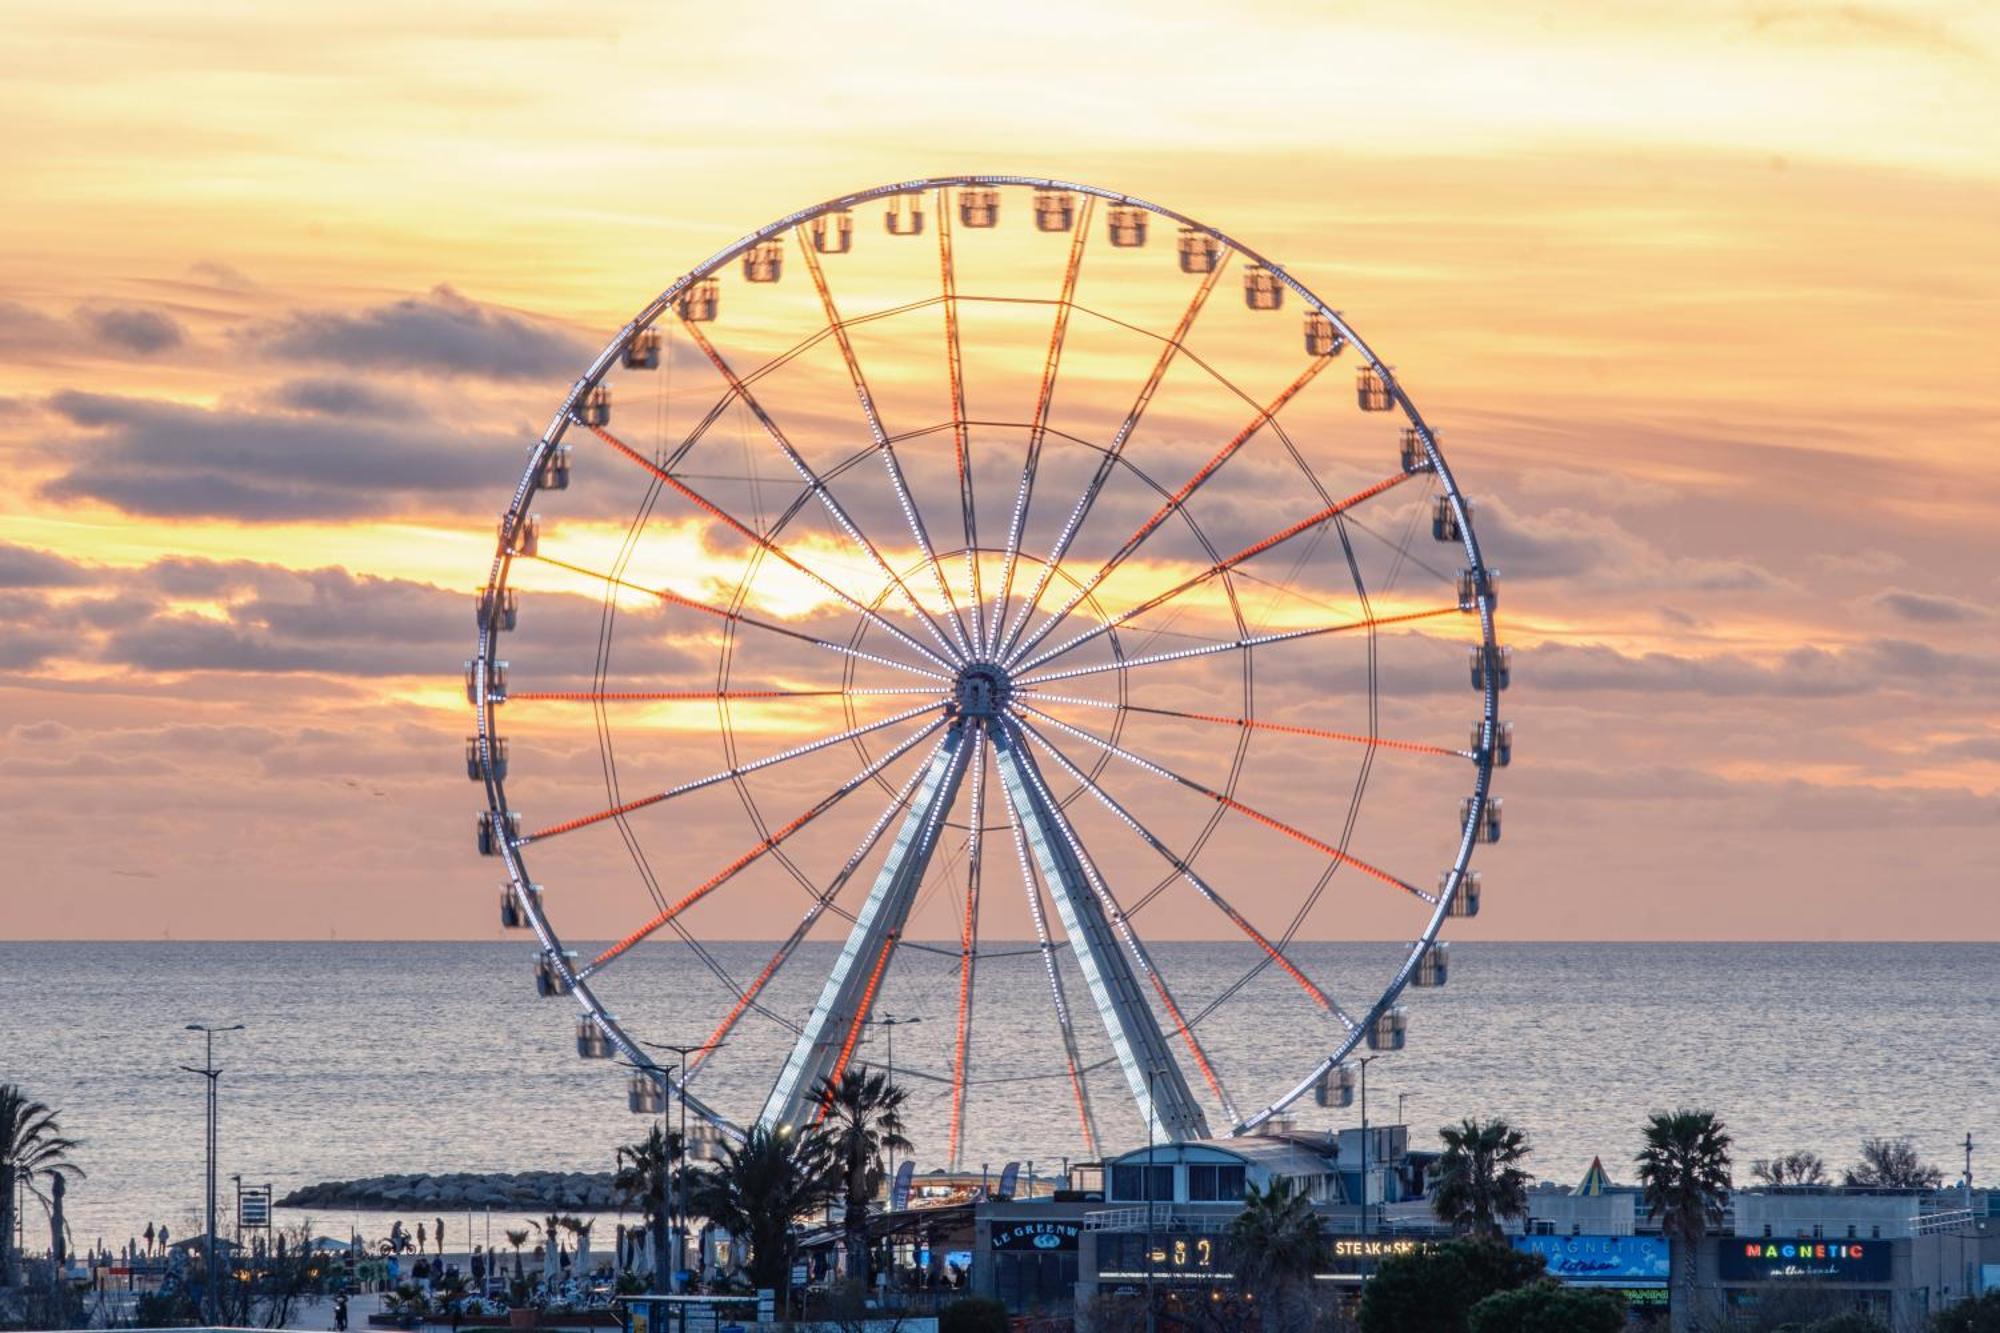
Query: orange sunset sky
[[1703, 297]]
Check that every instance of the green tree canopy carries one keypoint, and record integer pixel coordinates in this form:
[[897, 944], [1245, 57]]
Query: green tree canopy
[[1548, 1307], [1479, 1180], [761, 1187], [1981, 1315], [1433, 1291]]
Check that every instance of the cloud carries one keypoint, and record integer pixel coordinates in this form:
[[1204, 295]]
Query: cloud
[[1930, 608], [142, 331], [165, 459], [339, 398], [26, 567], [1805, 672], [440, 332]]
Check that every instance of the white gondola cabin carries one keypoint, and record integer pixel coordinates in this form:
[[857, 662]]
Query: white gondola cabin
[[646, 1094], [506, 601], [523, 535], [552, 976], [479, 767], [1335, 1087], [1261, 288], [1488, 828], [513, 914], [1445, 526], [699, 301], [1462, 898], [594, 408], [1126, 226], [1503, 742], [1496, 660], [555, 465], [1475, 584], [904, 216], [833, 233], [495, 680], [1322, 338], [764, 262], [592, 1041], [1200, 251], [1055, 210], [1416, 458], [496, 831], [1433, 967], [1390, 1030], [643, 351], [979, 206], [1371, 391]]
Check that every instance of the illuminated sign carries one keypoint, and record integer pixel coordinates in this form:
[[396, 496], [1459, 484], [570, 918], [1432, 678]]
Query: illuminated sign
[[1371, 1247], [1036, 1235], [1184, 1252], [1600, 1258], [1778, 1260]]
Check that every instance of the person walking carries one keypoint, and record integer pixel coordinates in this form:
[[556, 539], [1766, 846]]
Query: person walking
[[340, 1313], [421, 1245]]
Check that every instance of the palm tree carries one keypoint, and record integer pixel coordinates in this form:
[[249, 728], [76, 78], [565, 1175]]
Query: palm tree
[[862, 1116], [1278, 1242], [646, 1175], [517, 1238], [761, 1187], [1684, 1173], [32, 1151], [1480, 1183]]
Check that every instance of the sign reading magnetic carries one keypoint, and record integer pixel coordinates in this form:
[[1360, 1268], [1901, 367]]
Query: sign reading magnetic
[[1611, 1259], [1784, 1260], [1044, 1236]]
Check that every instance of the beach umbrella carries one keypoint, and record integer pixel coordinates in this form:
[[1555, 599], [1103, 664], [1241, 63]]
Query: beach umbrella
[[549, 1262], [582, 1267]]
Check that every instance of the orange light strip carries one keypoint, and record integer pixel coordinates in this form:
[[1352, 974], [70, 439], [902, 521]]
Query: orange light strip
[[861, 1015]]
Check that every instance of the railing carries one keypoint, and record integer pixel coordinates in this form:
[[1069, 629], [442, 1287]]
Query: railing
[[1164, 1217], [1925, 1224]]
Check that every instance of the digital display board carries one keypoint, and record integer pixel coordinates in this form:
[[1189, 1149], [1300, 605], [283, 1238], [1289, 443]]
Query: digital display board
[[1772, 1260], [1608, 1259]]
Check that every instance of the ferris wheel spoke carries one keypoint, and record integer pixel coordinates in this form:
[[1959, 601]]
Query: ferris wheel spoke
[[1038, 429], [1106, 465], [968, 943], [1253, 724], [828, 1039], [739, 618], [1032, 886], [883, 447], [1264, 416], [822, 900], [771, 547], [818, 485], [1188, 873], [1235, 645], [749, 858], [1090, 915], [699, 696], [1219, 568], [726, 775], [1231, 803], [961, 442]]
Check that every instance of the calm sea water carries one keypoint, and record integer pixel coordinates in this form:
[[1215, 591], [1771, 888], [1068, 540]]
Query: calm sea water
[[362, 1058]]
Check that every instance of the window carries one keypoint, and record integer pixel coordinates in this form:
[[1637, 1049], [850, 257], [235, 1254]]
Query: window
[[1214, 1183], [1128, 1184]]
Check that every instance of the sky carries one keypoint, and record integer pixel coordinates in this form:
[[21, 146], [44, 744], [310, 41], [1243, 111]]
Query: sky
[[1701, 298]]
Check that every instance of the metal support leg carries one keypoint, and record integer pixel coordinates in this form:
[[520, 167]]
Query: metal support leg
[[1150, 1070], [851, 988]]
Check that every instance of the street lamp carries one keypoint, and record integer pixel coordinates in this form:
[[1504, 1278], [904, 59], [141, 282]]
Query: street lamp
[[680, 1085], [891, 1023], [209, 1294], [1364, 1062]]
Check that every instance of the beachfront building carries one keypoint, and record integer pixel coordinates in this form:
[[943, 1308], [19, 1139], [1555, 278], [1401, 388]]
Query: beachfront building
[[1158, 1216]]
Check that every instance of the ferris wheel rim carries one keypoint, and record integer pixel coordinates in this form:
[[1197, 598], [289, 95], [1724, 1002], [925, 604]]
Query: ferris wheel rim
[[517, 512]]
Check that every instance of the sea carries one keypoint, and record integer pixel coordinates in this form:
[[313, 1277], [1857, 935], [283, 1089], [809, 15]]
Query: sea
[[361, 1058]]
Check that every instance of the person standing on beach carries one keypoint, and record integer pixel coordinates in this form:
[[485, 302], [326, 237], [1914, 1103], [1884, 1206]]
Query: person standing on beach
[[439, 1233], [421, 1244]]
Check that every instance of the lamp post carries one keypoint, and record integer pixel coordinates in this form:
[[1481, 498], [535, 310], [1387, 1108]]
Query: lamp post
[[209, 1295], [1364, 1062], [1146, 1193], [890, 1022], [680, 1086]]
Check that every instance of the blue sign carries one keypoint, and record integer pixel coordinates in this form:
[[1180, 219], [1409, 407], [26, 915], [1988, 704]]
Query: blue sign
[[1617, 1259]]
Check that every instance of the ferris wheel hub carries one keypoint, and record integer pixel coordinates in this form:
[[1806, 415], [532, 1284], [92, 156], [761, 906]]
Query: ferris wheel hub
[[982, 690]]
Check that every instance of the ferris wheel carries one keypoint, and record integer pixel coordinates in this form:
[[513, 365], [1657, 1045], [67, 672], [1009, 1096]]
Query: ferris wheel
[[982, 585]]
